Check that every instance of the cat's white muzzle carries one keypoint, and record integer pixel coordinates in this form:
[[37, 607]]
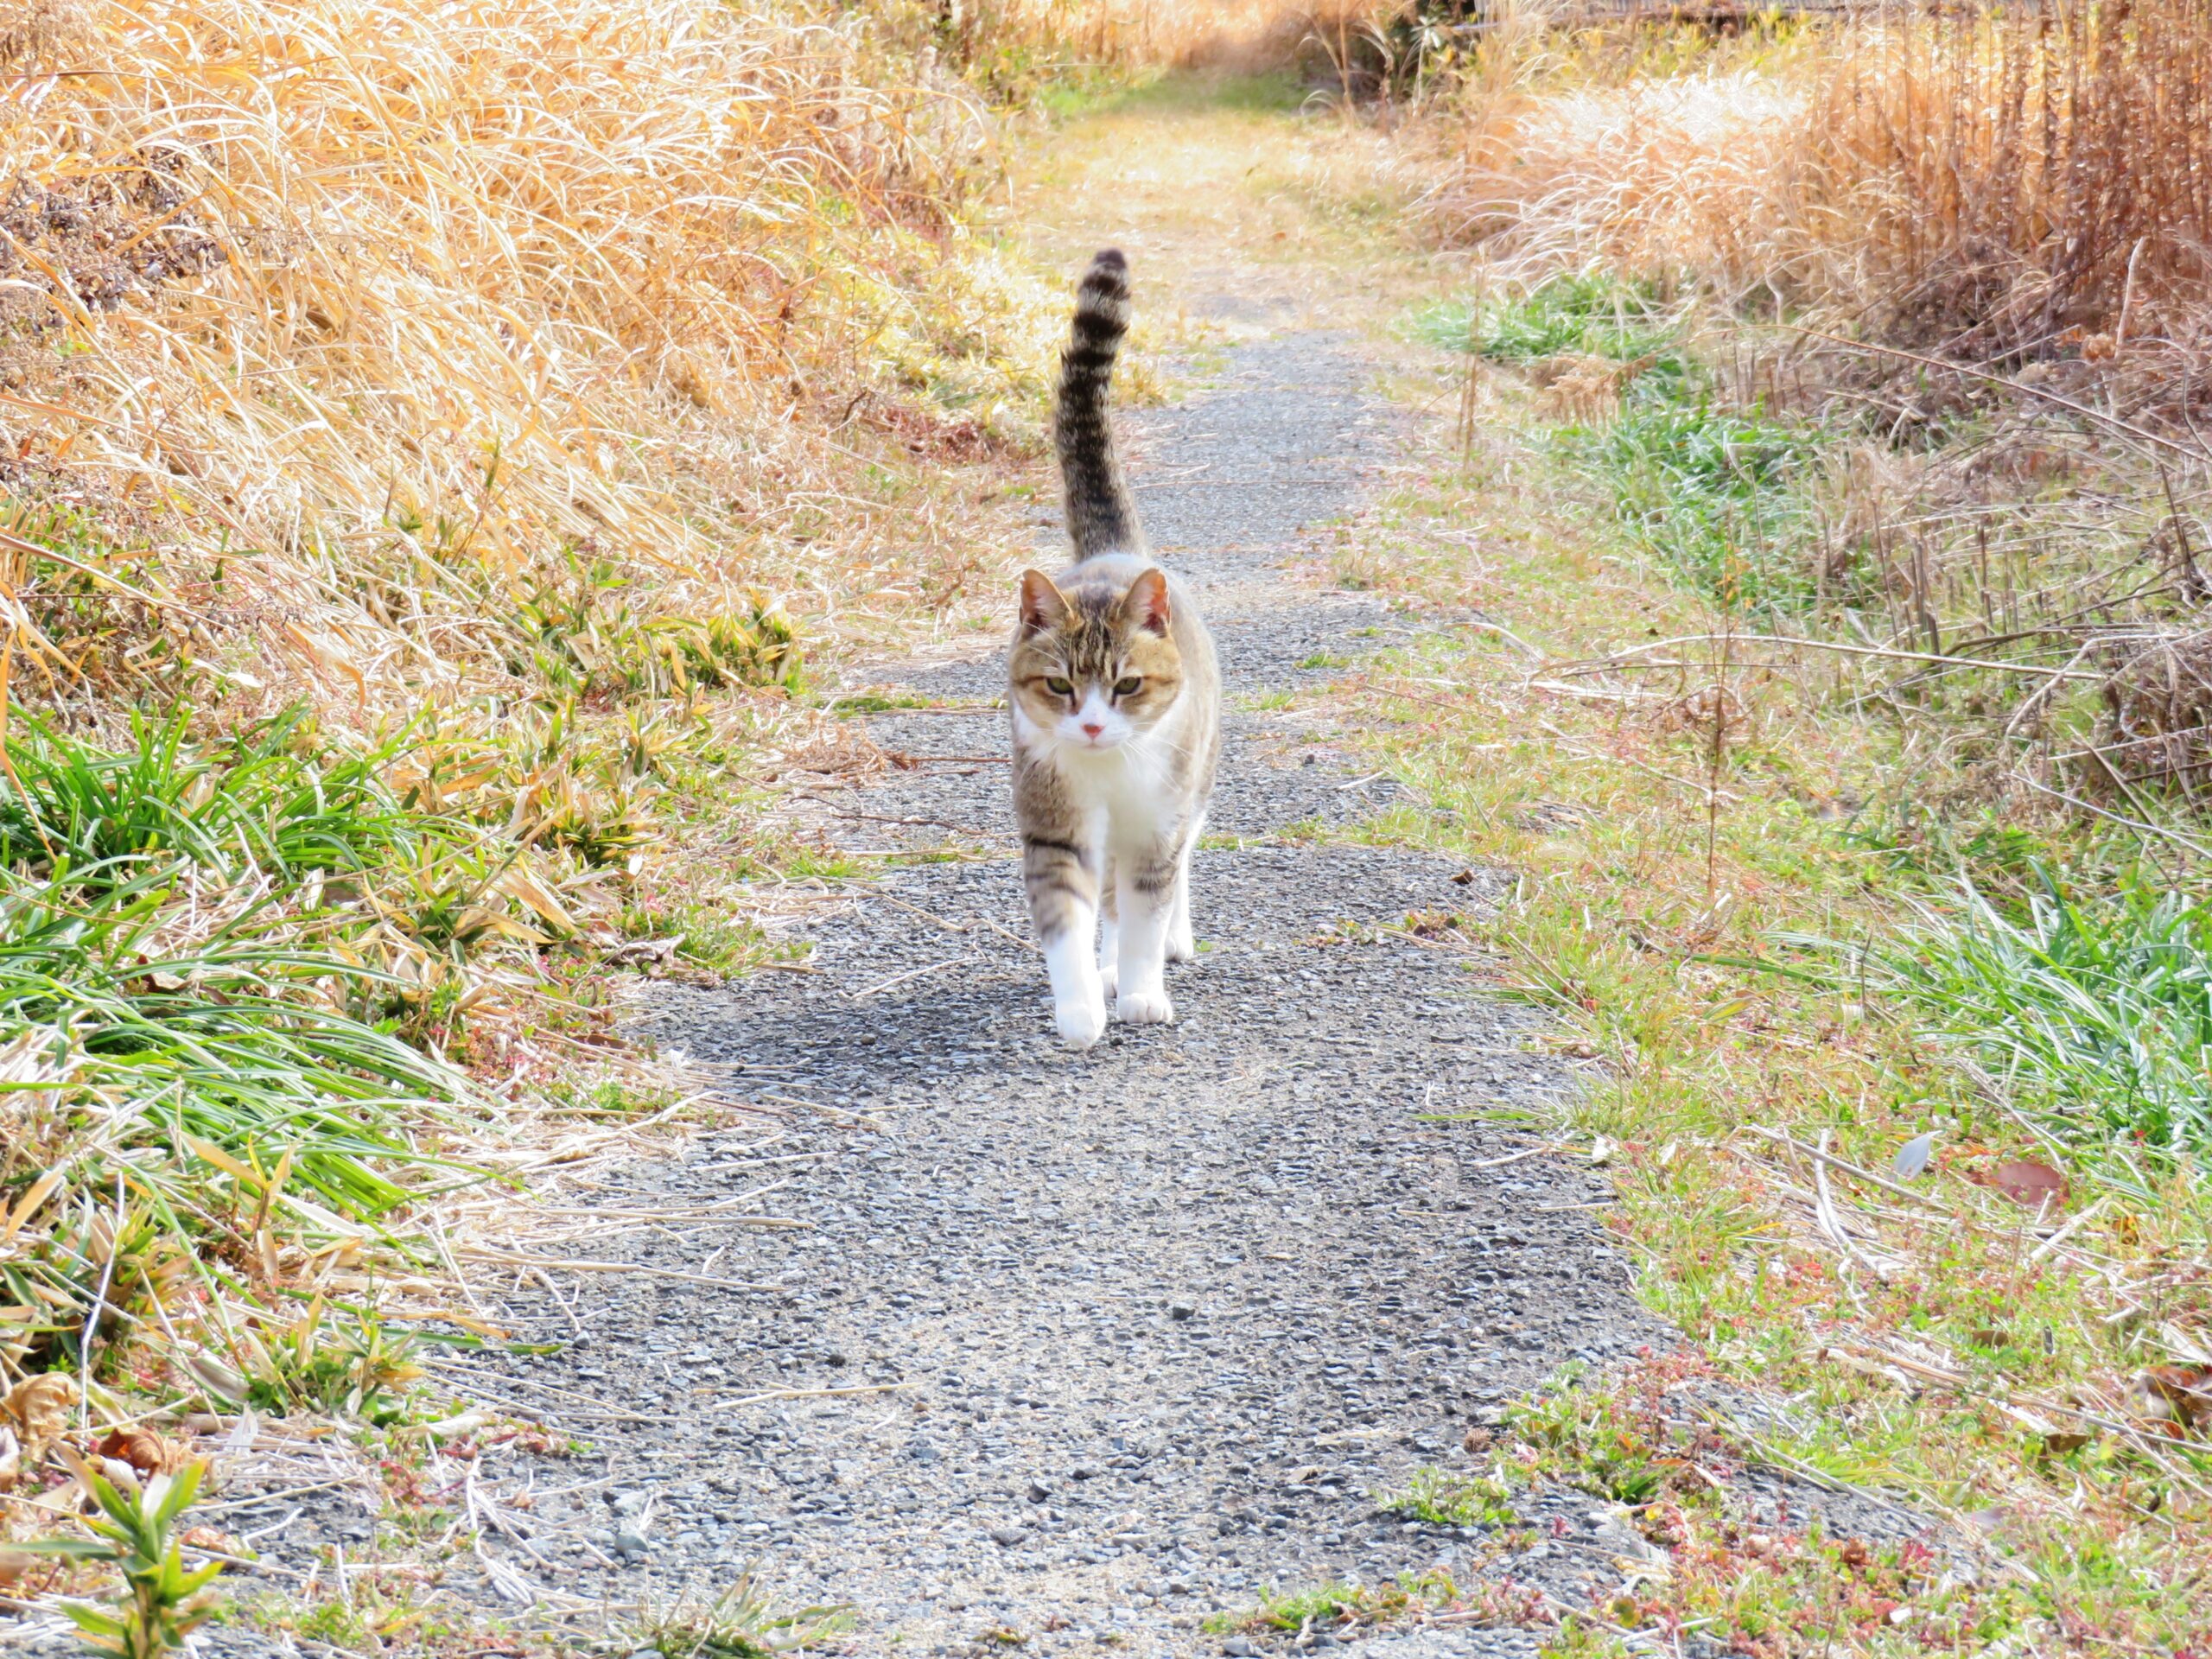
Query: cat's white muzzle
[[1096, 726]]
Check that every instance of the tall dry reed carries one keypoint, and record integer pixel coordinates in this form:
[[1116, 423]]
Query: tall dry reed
[[2003, 175]]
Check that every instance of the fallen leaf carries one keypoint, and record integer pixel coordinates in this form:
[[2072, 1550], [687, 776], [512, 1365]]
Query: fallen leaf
[[2024, 1181], [38, 1408], [215, 1541], [142, 1449], [219, 1379], [2179, 1394]]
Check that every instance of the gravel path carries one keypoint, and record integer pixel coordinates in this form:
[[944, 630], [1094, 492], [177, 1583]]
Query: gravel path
[[1090, 1346]]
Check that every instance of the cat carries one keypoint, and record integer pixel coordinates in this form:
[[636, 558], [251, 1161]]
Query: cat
[[1114, 694]]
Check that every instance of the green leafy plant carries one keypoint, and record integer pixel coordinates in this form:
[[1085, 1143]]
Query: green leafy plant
[[343, 1361], [1344, 1606], [162, 1603], [1444, 1499]]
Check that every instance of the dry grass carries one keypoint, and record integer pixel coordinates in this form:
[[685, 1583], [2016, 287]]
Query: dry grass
[[1992, 182], [2010, 179], [475, 294]]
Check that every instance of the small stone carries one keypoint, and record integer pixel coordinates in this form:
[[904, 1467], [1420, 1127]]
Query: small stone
[[629, 1502], [1009, 1536], [1238, 1647], [1040, 1491], [1181, 1310]]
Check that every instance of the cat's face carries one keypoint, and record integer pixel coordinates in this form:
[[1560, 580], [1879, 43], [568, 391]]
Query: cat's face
[[1095, 668]]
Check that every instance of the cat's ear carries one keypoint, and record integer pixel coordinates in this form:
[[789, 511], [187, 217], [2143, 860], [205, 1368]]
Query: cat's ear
[[1042, 605], [1147, 604]]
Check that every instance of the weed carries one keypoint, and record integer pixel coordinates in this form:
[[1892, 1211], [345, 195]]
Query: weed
[[337, 1360], [2091, 1010], [742, 1621], [610, 1097], [1592, 314], [1444, 1499], [162, 1603], [1709, 493], [1343, 1607], [263, 801]]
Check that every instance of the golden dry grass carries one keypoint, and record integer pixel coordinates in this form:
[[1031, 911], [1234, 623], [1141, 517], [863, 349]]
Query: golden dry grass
[[482, 291], [1994, 180]]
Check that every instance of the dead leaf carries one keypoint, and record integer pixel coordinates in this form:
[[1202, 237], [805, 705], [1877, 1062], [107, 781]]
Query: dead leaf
[[40, 1191], [2024, 1181], [38, 1408], [219, 1379], [2179, 1395], [214, 1541], [142, 1449]]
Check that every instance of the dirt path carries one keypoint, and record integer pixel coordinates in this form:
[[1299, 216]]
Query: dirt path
[[1086, 1348]]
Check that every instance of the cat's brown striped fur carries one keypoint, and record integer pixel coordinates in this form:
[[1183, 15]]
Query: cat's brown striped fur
[[1116, 698]]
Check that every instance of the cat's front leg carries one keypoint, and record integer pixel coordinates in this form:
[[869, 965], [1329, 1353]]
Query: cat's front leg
[[1145, 897], [1064, 908], [1182, 944], [1109, 932]]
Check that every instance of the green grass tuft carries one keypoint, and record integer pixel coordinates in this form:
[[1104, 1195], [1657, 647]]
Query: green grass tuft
[[1590, 314], [1711, 493], [2093, 1012]]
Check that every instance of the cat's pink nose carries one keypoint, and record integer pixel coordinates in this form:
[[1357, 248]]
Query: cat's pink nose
[[1092, 731]]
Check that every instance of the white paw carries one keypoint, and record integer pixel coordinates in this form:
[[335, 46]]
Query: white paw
[[1181, 947], [1080, 1022], [1144, 1009], [1108, 974]]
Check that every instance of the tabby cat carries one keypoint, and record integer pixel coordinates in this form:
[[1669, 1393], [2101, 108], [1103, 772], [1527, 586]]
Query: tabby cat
[[1116, 705]]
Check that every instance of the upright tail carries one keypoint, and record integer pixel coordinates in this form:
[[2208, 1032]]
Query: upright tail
[[1101, 514]]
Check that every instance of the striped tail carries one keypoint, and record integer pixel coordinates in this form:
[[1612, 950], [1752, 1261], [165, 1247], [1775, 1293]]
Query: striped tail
[[1101, 514]]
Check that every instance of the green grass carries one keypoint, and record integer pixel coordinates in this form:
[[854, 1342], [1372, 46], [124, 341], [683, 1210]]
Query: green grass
[[2091, 1011], [1711, 493], [270, 799], [1590, 314], [181, 962], [1445, 1499]]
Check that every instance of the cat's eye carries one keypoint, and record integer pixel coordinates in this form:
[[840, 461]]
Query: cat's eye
[[1129, 687], [1059, 688]]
